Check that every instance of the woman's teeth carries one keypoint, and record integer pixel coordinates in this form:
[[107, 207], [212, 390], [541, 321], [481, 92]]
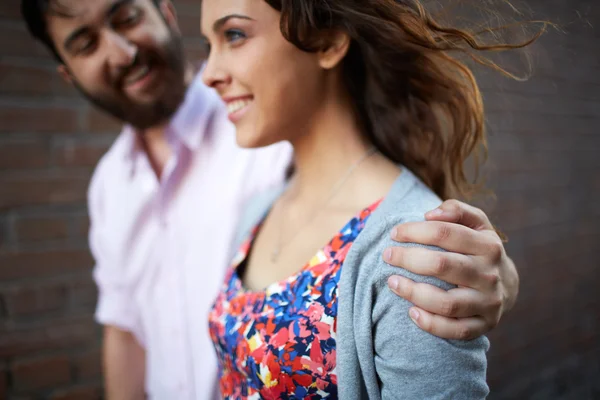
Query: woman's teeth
[[237, 105], [137, 74]]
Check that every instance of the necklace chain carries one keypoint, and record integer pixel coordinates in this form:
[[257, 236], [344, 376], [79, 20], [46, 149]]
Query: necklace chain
[[280, 244]]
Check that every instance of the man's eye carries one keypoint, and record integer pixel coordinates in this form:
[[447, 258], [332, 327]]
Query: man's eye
[[234, 35], [85, 46], [128, 18]]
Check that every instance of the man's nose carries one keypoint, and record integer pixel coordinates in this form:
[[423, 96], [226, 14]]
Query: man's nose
[[121, 52]]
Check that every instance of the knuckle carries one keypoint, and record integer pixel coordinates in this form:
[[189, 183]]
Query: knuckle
[[489, 325], [427, 325], [479, 214], [452, 204], [441, 265], [464, 333], [443, 232], [493, 323], [496, 251], [406, 290], [455, 207], [493, 278], [497, 302], [449, 308]]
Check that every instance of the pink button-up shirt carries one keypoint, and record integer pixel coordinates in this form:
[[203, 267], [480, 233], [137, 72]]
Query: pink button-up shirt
[[162, 246]]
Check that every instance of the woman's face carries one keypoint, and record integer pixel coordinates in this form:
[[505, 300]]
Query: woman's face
[[271, 88]]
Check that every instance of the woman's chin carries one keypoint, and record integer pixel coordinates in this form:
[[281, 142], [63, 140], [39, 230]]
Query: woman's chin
[[249, 140]]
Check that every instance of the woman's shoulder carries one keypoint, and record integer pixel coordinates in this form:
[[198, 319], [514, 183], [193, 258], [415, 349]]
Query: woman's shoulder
[[409, 196], [407, 201]]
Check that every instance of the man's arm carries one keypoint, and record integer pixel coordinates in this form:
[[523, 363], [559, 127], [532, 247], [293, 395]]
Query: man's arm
[[123, 357], [475, 261], [123, 364]]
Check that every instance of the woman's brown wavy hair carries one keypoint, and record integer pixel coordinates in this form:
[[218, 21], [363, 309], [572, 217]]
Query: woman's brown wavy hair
[[420, 106]]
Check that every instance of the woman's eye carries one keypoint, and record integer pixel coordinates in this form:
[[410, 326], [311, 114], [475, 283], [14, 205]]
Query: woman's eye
[[234, 35]]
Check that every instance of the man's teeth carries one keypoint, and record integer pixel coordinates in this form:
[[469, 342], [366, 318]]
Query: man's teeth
[[137, 74], [237, 105]]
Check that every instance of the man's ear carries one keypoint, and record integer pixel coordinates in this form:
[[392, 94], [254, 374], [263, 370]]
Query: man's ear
[[338, 43], [167, 9], [64, 72]]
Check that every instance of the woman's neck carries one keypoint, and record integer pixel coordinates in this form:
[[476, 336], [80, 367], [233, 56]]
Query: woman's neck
[[326, 151]]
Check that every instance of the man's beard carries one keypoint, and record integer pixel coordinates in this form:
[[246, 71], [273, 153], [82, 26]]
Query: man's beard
[[143, 116]]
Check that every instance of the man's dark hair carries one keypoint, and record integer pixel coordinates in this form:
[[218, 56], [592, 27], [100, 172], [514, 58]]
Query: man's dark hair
[[34, 13]]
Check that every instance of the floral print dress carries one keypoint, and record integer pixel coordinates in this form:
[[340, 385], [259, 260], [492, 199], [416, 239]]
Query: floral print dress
[[280, 343]]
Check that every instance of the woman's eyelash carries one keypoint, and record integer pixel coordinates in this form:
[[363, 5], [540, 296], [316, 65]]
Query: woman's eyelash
[[233, 35]]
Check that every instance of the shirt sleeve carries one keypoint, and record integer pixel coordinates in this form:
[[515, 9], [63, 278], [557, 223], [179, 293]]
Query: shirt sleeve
[[115, 305], [411, 363]]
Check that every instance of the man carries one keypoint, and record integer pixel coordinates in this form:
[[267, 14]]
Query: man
[[161, 251]]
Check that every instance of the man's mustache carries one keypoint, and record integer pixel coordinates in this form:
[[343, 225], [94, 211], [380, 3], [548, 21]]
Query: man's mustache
[[123, 72]]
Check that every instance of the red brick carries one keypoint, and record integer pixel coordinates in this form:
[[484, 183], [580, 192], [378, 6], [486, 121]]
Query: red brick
[[33, 229], [72, 154], [39, 264], [88, 365], [22, 80], [82, 226], [98, 121], [89, 392], [43, 190], [66, 332], [43, 373], [35, 300], [83, 292], [50, 119], [23, 155]]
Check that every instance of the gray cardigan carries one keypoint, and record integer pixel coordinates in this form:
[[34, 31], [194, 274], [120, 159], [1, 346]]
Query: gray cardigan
[[381, 353]]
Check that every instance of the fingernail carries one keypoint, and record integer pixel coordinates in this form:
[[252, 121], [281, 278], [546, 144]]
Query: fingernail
[[387, 255], [414, 315], [394, 233], [435, 213], [394, 283]]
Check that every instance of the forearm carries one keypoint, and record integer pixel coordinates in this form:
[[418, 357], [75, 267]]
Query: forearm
[[124, 365]]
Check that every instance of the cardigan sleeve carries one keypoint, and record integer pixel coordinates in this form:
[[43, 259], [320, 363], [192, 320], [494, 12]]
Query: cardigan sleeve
[[409, 362]]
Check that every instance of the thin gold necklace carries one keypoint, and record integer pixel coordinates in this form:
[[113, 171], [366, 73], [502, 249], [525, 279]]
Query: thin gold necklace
[[280, 243]]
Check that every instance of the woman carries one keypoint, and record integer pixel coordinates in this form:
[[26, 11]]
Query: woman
[[381, 119]]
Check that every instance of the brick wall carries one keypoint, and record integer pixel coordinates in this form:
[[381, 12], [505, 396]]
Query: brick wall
[[543, 167], [50, 140]]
